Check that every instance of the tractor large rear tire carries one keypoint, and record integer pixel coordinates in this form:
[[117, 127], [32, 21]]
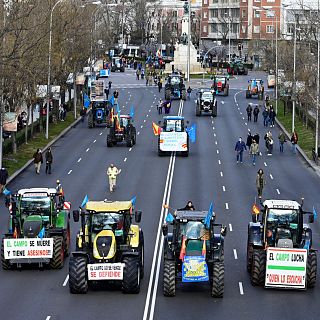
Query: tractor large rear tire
[[66, 244], [131, 275], [57, 260], [78, 282], [217, 288], [134, 135], [198, 110], [141, 254], [169, 278], [248, 96], [129, 141], [249, 257], [258, 270], [6, 265], [226, 92], [312, 269]]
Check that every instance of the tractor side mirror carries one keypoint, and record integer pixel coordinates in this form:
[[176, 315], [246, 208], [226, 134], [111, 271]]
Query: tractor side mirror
[[137, 216], [165, 230], [311, 218], [76, 215], [223, 231]]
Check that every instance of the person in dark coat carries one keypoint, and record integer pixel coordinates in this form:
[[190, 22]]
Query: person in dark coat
[[256, 113], [249, 111], [260, 182], [265, 115], [256, 138], [49, 159], [239, 148], [38, 160], [3, 178], [249, 140], [272, 116], [167, 106], [189, 207]]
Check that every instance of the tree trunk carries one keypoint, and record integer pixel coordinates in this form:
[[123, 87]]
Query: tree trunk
[[14, 143], [27, 125]]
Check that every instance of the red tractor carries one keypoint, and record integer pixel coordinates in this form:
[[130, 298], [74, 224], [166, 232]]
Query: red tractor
[[221, 85]]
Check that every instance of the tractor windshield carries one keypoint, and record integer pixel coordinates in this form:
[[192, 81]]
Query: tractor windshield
[[34, 205], [222, 80], [193, 230], [175, 80], [283, 217], [174, 125], [207, 96], [105, 220], [123, 122]]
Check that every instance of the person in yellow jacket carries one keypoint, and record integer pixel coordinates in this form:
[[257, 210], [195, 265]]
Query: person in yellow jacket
[[112, 173]]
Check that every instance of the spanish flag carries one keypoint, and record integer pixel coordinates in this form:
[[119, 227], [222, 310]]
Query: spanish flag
[[183, 249], [204, 249], [156, 129], [15, 233], [255, 209]]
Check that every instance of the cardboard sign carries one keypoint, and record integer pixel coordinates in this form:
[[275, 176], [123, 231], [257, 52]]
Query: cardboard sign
[[30, 248], [105, 271], [194, 269], [286, 268], [173, 141], [97, 90]]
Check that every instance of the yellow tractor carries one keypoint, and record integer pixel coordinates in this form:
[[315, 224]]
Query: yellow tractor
[[109, 247]]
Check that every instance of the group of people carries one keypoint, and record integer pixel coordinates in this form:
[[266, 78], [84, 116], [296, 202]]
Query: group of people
[[38, 160], [62, 111], [166, 105]]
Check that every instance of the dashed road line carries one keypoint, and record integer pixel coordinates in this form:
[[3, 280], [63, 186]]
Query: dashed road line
[[222, 102], [130, 149], [230, 227], [265, 164], [141, 126], [241, 288], [245, 123], [138, 133], [217, 151], [144, 120], [79, 160], [94, 141], [65, 280], [278, 191], [271, 176], [219, 161], [125, 159], [224, 188], [87, 149], [212, 121], [235, 254], [221, 173], [214, 135], [227, 206], [216, 142], [70, 171], [48, 317], [101, 133]]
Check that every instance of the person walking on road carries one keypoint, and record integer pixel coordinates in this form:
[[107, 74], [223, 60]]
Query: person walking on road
[[189, 207], [107, 92], [239, 148], [282, 139], [256, 138], [254, 151], [3, 178], [138, 72], [83, 112], [249, 111], [109, 85], [294, 141], [60, 192], [160, 84], [160, 106], [116, 96], [260, 182], [256, 113], [269, 142], [265, 115], [38, 160], [249, 140], [112, 173], [189, 90], [272, 116], [49, 159]]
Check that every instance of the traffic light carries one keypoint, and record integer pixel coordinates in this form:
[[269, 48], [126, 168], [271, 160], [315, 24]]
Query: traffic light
[[239, 46]]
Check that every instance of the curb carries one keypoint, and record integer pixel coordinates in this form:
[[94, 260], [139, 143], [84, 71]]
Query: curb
[[311, 163], [60, 135]]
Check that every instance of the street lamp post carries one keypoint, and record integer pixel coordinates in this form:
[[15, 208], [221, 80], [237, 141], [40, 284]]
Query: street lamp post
[[317, 106], [294, 75], [229, 31], [189, 37]]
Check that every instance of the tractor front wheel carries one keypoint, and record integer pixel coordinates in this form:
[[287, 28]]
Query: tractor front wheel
[[217, 288], [312, 269], [57, 260], [78, 282], [198, 110], [169, 278], [131, 275], [258, 270]]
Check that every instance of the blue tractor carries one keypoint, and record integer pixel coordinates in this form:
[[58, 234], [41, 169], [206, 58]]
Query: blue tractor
[[99, 114], [175, 88]]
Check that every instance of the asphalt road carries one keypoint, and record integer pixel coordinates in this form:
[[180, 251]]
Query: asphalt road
[[210, 173]]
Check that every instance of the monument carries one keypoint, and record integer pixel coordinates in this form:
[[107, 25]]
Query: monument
[[180, 58]]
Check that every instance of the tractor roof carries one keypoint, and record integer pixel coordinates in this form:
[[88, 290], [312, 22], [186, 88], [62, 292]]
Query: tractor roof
[[173, 118], [108, 206], [191, 215], [282, 204], [34, 191]]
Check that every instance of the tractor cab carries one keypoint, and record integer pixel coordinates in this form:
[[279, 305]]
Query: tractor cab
[[173, 124], [122, 130], [255, 89], [220, 85], [175, 88]]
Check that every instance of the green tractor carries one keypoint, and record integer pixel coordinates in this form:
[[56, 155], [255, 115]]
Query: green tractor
[[237, 67], [109, 248], [39, 230], [193, 251]]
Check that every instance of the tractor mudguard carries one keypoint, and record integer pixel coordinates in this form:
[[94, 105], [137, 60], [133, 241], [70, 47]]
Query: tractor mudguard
[[168, 252], [255, 236], [130, 254], [218, 246], [80, 254], [134, 240]]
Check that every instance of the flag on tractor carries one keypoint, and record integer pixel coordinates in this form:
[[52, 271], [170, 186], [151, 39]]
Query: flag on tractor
[[204, 249], [169, 217], [111, 100], [208, 216], [84, 201], [315, 214], [134, 200], [183, 249], [132, 111], [156, 129], [86, 101], [192, 133], [255, 209]]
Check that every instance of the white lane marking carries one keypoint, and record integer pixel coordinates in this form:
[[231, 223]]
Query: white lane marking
[[125, 159], [101, 133], [216, 142], [214, 135], [94, 141], [238, 108], [79, 160], [147, 115], [222, 102], [138, 133], [243, 118], [213, 128], [249, 129], [241, 288], [130, 149], [278, 191], [230, 227], [149, 110], [240, 112], [66, 280], [141, 126], [217, 151], [265, 164], [221, 173], [260, 153], [144, 120], [235, 254], [48, 317], [245, 123], [212, 121], [219, 161], [69, 171], [227, 206], [224, 188], [87, 149], [271, 177]]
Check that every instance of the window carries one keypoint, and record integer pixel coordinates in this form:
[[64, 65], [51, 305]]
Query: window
[[244, 13], [214, 13], [269, 29], [205, 1], [256, 13], [243, 29], [235, 28], [205, 15], [256, 29], [205, 29], [235, 12], [214, 28], [174, 14]]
